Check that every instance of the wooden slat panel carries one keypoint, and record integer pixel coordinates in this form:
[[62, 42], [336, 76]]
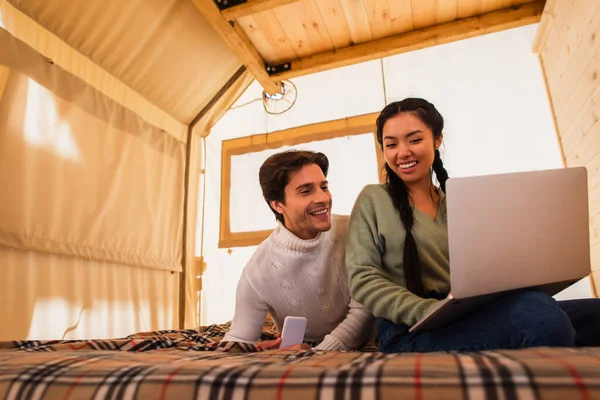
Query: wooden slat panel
[[587, 148], [335, 21], [493, 5], [401, 14], [424, 13], [545, 26], [270, 27], [252, 7], [563, 12], [593, 168], [305, 27], [568, 35], [358, 22], [468, 8], [583, 123], [578, 45], [595, 259], [594, 201], [447, 11], [380, 20], [316, 27], [552, 35], [256, 35], [595, 255], [595, 249], [595, 231], [566, 11], [295, 30], [415, 40], [595, 277], [577, 96]]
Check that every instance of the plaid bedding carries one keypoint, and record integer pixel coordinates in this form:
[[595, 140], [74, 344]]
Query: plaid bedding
[[192, 364]]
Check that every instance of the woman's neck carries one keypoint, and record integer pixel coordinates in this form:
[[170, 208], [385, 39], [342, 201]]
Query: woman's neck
[[425, 198], [422, 189]]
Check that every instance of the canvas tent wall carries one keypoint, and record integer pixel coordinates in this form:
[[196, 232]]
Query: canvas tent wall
[[95, 149], [100, 167]]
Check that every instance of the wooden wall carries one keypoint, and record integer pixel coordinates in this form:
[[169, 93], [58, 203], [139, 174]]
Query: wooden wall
[[568, 44]]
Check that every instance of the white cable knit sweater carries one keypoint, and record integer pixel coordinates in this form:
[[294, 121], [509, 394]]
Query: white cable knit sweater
[[288, 276]]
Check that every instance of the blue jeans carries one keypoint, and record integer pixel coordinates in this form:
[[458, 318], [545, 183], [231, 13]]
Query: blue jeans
[[519, 320]]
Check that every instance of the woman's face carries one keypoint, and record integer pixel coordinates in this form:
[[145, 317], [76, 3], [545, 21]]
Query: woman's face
[[409, 147]]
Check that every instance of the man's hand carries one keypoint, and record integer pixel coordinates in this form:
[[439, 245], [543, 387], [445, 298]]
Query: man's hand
[[274, 344], [269, 344], [298, 347]]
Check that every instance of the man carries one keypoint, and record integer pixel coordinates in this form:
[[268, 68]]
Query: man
[[299, 270]]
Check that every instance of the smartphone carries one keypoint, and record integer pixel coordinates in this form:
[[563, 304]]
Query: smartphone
[[293, 331]]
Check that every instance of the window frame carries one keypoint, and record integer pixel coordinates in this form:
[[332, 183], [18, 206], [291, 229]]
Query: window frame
[[350, 126]]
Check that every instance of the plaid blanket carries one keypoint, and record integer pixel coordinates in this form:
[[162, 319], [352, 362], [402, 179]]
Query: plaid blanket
[[192, 364]]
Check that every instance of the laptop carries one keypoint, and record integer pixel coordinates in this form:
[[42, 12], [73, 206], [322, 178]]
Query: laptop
[[515, 231]]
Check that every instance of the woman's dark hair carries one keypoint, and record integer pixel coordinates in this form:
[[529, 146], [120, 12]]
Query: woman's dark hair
[[398, 191], [274, 174]]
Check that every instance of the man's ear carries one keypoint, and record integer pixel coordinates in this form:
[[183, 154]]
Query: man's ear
[[277, 206]]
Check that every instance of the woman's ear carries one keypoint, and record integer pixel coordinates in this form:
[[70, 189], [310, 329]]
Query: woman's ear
[[438, 141]]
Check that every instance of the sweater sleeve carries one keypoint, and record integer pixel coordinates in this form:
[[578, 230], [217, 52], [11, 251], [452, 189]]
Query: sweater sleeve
[[352, 332], [250, 314], [369, 284]]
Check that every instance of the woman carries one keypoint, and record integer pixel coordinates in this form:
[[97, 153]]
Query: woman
[[397, 255]]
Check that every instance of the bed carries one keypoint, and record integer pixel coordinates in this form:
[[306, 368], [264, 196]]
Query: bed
[[186, 364]]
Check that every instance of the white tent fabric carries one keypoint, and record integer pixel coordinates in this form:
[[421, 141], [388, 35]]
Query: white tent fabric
[[52, 47], [490, 90], [92, 176], [87, 177], [49, 296], [158, 48]]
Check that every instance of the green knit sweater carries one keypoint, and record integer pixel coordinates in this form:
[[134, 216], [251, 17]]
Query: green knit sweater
[[374, 256]]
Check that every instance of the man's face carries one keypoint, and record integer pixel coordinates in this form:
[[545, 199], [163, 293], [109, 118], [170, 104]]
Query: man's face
[[306, 208]]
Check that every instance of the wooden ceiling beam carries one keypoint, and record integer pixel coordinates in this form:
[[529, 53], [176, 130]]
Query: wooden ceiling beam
[[240, 44], [252, 7], [465, 28]]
